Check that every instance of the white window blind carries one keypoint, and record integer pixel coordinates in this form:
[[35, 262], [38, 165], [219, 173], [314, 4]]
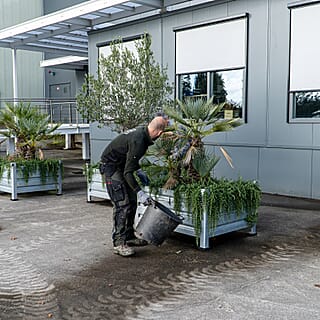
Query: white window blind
[[305, 48], [212, 47]]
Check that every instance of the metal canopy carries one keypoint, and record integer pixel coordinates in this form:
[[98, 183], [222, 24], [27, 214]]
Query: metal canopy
[[65, 32]]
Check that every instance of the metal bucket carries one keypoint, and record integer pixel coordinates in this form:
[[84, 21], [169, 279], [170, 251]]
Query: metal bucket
[[157, 223]]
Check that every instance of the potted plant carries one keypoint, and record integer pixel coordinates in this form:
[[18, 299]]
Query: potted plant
[[26, 170], [128, 90], [96, 186], [180, 170]]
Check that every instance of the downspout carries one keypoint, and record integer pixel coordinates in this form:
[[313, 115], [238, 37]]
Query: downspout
[[14, 75]]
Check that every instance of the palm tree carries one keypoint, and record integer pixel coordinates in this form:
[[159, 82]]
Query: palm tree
[[194, 120], [29, 127], [159, 163]]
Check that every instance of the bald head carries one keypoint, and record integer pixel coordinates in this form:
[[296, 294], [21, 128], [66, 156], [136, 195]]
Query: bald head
[[157, 126]]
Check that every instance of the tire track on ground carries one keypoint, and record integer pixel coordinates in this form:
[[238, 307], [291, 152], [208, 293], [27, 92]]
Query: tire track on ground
[[24, 293], [144, 300], [210, 276], [59, 232]]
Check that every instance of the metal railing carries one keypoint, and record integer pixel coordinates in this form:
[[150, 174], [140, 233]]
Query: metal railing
[[62, 111]]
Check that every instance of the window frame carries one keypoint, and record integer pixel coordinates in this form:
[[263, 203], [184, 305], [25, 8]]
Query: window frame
[[209, 89], [291, 92]]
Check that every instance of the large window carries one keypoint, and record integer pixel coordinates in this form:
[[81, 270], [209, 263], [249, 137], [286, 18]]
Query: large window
[[304, 84], [224, 86], [211, 61]]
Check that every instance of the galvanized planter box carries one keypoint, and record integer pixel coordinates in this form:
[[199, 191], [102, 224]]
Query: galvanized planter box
[[14, 183], [226, 223], [96, 186]]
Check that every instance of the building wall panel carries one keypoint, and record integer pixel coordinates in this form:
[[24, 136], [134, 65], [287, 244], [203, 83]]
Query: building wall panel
[[282, 156], [286, 171], [315, 174], [245, 167]]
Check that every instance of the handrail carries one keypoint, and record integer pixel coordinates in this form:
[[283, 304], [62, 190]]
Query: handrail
[[60, 110]]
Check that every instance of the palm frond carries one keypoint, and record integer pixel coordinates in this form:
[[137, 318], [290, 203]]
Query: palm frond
[[27, 123], [204, 163], [175, 115], [190, 154], [163, 145], [222, 126], [227, 157]]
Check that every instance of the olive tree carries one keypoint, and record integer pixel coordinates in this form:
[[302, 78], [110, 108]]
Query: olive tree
[[130, 87]]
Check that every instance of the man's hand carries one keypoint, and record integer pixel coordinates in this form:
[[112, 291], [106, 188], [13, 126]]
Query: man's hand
[[143, 177], [144, 198]]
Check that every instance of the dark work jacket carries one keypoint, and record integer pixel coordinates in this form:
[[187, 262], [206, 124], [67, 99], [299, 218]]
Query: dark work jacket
[[124, 153]]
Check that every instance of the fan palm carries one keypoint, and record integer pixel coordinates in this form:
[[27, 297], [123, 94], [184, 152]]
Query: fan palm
[[160, 165], [195, 119], [29, 127]]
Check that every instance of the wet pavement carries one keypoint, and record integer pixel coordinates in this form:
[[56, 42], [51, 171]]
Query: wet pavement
[[56, 262]]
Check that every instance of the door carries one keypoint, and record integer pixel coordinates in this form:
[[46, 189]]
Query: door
[[61, 111]]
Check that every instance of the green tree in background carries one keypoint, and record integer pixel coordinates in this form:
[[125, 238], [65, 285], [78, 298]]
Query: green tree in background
[[219, 92], [201, 83], [129, 89]]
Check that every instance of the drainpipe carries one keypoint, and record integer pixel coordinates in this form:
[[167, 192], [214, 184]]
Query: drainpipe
[[14, 75]]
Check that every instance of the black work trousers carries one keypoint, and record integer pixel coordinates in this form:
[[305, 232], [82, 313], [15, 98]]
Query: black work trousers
[[124, 201]]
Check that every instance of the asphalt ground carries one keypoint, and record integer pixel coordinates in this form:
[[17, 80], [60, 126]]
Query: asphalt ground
[[56, 262]]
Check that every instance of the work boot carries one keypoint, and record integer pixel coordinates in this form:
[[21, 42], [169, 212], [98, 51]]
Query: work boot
[[123, 250], [135, 242]]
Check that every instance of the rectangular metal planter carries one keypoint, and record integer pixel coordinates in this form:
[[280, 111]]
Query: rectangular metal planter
[[14, 183], [96, 186], [227, 222]]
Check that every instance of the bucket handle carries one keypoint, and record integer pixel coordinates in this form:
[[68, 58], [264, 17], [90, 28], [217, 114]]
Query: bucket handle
[[157, 204]]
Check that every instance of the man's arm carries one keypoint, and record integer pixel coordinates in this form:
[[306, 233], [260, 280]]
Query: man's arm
[[131, 180], [135, 153]]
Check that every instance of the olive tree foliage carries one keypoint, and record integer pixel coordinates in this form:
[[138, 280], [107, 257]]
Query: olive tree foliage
[[129, 89]]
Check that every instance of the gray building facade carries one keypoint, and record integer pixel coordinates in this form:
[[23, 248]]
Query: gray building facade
[[279, 143], [30, 76], [34, 82], [61, 82]]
